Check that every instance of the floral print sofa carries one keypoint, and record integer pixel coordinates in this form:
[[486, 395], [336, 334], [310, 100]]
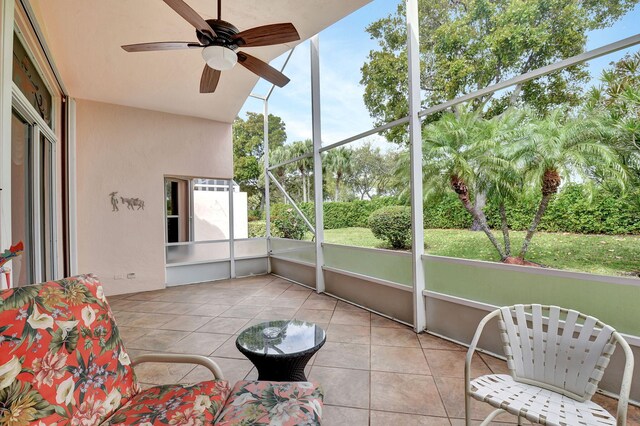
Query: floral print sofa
[[62, 362]]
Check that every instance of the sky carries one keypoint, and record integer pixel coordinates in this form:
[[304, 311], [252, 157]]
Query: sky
[[344, 48]]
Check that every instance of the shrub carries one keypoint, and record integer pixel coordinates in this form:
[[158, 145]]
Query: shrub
[[253, 215], [392, 224], [570, 210], [257, 229], [340, 214], [288, 224]]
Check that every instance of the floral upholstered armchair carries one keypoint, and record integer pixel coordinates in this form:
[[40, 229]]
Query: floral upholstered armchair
[[62, 362]]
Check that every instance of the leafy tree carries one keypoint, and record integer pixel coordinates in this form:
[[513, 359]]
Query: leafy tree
[[338, 162], [467, 45], [617, 100], [248, 150], [368, 171]]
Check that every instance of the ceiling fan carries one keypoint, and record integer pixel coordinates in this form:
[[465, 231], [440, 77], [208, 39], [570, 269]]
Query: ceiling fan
[[219, 41]]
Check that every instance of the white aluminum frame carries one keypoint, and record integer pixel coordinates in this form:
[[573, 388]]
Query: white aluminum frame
[[415, 134], [317, 160], [7, 10]]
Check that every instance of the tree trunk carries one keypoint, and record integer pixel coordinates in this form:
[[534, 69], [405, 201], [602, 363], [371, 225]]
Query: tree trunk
[[550, 183], [461, 189], [536, 220], [478, 204], [304, 188], [337, 188], [482, 221], [505, 230]]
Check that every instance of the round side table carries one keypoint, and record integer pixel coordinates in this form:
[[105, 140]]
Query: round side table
[[281, 349]]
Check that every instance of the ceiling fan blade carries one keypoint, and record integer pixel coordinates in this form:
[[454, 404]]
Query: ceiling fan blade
[[209, 80], [267, 35], [191, 16], [262, 69], [163, 45]]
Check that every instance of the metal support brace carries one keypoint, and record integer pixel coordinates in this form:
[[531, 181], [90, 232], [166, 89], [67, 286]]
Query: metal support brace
[[415, 130], [232, 257], [292, 160], [293, 203], [267, 198], [317, 159]]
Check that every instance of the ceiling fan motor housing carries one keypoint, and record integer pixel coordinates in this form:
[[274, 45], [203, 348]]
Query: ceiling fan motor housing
[[224, 34]]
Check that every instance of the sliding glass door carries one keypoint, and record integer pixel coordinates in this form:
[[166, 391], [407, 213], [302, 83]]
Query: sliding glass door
[[32, 200]]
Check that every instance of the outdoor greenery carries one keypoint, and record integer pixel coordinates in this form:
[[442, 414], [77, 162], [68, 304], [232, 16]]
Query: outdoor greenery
[[597, 254], [555, 154], [248, 151], [533, 137], [393, 225], [288, 224], [576, 209], [466, 45]]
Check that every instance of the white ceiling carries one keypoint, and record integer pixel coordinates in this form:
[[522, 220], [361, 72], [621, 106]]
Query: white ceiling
[[85, 36]]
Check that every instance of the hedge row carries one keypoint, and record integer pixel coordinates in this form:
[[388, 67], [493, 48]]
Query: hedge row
[[340, 215], [569, 211]]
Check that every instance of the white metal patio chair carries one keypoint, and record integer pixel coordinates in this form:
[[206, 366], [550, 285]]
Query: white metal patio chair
[[556, 358]]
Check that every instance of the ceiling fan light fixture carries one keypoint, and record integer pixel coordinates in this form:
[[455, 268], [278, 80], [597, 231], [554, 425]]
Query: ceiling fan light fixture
[[219, 57]]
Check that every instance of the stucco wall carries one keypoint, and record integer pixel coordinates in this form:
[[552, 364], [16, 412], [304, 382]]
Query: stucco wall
[[130, 150]]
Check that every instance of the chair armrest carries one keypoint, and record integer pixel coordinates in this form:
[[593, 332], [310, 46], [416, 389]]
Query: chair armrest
[[181, 359], [472, 347], [625, 386]]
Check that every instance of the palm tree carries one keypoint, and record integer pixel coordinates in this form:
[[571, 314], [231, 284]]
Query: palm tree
[[507, 182], [338, 162], [460, 152], [297, 149], [561, 148], [617, 101], [277, 156]]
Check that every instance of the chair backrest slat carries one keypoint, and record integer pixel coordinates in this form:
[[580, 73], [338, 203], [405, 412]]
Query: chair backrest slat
[[512, 351], [539, 342], [556, 348], [551, 354], [525, 342], [593, 360], [564, 348], [580, 351]]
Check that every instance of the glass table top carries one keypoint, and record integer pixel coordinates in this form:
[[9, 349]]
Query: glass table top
[[282, 337]]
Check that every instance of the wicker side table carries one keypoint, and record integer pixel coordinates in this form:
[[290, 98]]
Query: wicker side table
[[281, 349]]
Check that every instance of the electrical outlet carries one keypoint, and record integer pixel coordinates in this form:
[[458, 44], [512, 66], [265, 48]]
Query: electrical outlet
[[118, 277], [131, 276]]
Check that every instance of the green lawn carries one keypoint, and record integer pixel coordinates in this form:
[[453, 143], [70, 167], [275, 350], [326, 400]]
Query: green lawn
[[597, 254]]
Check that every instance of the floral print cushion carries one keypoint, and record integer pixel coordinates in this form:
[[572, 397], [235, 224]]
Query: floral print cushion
[[273, 403], [188, 405], [61, 357]]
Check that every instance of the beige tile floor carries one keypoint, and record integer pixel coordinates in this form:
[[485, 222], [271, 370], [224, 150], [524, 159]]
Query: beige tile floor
[[374, 371]]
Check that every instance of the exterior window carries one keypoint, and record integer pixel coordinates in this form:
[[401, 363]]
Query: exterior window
[[30, 83], [178, 210]]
